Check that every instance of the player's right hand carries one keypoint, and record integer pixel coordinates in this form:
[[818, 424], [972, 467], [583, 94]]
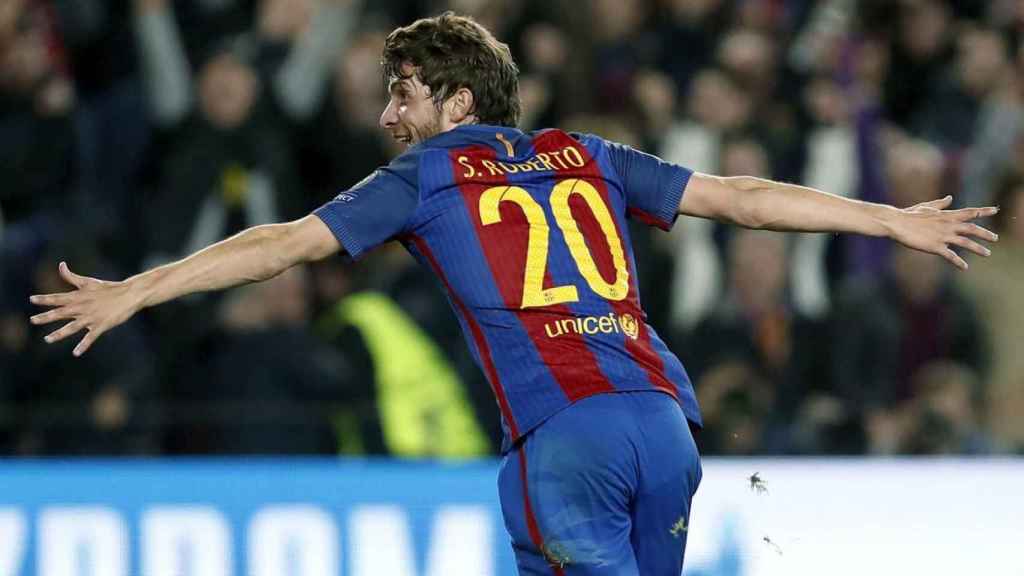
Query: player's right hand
[[94, 306]]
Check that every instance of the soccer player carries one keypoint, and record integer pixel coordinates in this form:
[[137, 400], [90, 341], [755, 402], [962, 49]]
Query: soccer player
[[527, 234]]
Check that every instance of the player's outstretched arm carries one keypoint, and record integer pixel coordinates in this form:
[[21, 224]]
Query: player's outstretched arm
[[758, 203], [255, 254]]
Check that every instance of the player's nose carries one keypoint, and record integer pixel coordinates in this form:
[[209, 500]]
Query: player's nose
[[389, 117]]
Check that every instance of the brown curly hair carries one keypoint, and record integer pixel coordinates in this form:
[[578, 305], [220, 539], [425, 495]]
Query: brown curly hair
[[451, 52]]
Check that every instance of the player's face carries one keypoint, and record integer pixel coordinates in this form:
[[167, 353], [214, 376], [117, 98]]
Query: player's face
[[411, 115]]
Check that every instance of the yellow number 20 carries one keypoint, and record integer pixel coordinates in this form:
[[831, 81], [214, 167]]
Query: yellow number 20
[[534, 293]]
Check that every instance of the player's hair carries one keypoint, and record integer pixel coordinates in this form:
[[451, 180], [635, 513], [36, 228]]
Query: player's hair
[[451, 52]]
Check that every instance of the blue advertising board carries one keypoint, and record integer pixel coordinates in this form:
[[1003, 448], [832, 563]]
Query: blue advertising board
[[287, 517], [329, 517]]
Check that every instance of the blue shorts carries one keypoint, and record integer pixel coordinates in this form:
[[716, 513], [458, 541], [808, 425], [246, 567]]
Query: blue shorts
[[603, 487]]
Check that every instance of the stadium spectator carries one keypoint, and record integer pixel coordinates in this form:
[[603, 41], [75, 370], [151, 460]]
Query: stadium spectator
[[412, 402], [340, 144], [420, 404], [224, 160], [227, 165], [37, 102], [749, 56], [887, 330], [271, 384], [110, 120], [943, 413], [736, 406], [696, 25], [752, 57], [755, 330], [417, 294], [831, 165], [996, 140], [105, 406], [619, 50], [949, 116], [547, 76], [203, 23], [298, 43], [818, 46], [249, 88], [655, 99], [715, 108], [920, 46], [357, 421], [995, 289], [19, 251]]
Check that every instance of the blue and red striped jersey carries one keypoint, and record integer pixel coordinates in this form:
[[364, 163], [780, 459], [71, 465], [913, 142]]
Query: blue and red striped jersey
[[527, 234]]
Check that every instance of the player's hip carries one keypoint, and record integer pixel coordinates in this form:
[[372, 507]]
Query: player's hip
[[572, 490], [614, 435]]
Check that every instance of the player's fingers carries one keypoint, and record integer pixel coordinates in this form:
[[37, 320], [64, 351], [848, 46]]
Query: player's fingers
[[87, 341], [971, 245], [953, 258], [69, 276], [978, 232], [965, 214], [52, 316], [59, 299], [68, 329], [938, 203]]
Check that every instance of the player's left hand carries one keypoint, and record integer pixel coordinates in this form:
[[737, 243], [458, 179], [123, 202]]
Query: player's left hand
[[929, 227], [94, 306]]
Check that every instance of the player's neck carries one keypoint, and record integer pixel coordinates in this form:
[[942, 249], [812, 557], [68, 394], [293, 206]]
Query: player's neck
[[447, 124]]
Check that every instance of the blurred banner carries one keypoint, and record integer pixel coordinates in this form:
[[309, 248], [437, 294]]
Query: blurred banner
[[857, 516], [304, 517]]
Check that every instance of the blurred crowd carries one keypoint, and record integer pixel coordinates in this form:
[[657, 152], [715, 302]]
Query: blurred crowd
[[133, 132]]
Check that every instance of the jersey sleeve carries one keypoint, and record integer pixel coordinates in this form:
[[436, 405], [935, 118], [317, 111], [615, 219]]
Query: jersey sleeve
[[653, 187], [375, 210]]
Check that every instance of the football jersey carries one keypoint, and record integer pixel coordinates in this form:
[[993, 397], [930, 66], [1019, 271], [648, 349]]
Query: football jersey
[[527, 235]]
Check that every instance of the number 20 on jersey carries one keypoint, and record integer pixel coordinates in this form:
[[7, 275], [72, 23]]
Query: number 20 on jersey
[[534, 293]]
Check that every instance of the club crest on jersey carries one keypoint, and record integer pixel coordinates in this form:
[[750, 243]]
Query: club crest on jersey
[[629, 326], [589, 325]]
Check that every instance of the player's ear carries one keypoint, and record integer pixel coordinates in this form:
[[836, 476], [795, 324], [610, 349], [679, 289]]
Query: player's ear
[[460, 105]]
